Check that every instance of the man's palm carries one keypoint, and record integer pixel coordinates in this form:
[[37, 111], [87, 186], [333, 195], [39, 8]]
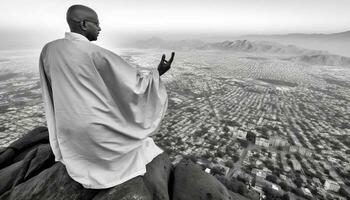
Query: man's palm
[[164, 65]]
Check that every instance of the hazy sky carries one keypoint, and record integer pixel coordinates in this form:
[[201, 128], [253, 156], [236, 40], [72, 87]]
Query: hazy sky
[[30, 24]]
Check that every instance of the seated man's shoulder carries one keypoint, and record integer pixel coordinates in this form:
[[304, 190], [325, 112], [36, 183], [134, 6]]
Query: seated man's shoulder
[[63, 44], [51, 44], [95, 51], [102, 53], [54, 45]]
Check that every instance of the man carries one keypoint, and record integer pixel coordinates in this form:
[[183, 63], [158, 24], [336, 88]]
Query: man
[[100, 110]]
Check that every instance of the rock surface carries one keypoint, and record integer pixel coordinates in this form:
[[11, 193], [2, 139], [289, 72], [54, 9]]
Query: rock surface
[[52, 183], [190, 182], [28, 172]]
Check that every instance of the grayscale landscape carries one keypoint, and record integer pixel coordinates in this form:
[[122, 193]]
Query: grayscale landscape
[[272, 116]]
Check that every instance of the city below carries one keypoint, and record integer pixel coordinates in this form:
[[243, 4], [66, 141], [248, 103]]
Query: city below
[[267, 128]]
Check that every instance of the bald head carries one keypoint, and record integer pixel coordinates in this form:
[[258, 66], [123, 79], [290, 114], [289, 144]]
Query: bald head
[[83, 20], [78, 13]]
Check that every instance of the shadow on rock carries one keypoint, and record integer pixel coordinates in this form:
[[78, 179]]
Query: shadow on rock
[[190, 183]]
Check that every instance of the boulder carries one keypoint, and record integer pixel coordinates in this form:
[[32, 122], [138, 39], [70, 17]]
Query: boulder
[[14, 174], [157, 177], [19, 149], [6, 157], [33, 137], [190, 183], [33, 163], [52, 183], [134, 189], [153, 185]]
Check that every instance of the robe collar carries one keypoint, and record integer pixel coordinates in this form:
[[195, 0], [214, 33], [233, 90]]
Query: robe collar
[[75, 36]]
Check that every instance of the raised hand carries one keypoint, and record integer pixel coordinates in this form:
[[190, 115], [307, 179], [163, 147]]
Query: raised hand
[[164, 65]]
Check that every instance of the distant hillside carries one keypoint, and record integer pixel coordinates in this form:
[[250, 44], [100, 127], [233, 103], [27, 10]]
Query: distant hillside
[[237, 45], [341, 35], [263, 47], [294, 53], [335, 43], [333, 60]]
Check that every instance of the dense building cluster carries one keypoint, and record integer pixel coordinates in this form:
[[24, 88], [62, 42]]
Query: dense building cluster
[[298, 116], [21, 108]]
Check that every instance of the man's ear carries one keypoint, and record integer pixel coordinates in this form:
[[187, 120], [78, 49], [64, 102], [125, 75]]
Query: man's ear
[[83, 25]]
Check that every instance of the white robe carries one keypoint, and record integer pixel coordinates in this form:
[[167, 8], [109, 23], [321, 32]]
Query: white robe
[[100, 111]]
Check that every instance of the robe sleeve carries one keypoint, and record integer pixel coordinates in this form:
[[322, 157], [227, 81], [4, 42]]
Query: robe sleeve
[[49, 107], [138, 94]]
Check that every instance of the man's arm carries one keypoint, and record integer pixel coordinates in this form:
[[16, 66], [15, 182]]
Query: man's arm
[[164, 65]]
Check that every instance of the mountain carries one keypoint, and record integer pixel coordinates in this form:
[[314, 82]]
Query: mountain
[[335, 43], [268, 45], [332, 60], [237, 46], [263, 47], [345, 35], [295, 53], [340, 35]]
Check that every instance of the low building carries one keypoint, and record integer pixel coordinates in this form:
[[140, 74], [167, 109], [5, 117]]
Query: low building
[[331, 185], [296, 165], [262, 142], [240, 134], [259, 173], [306, 192]]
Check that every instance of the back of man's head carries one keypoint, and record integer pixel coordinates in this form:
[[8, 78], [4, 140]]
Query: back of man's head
[[77, 18]]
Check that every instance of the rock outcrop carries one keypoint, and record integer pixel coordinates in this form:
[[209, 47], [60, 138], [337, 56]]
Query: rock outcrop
[[28, 171], [190, 182]]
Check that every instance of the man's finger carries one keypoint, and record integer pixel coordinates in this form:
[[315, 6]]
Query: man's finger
[[163, 58], [172, 57]]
